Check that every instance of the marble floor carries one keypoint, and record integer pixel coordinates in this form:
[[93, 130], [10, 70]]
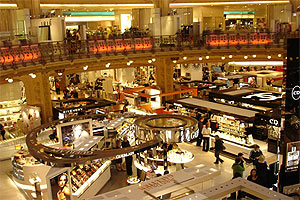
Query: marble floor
[[9, 191]]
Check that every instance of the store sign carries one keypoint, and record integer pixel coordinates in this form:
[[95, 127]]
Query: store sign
[[274, 122], [296, 93], [263, 96], [189, 135], [124, 155]]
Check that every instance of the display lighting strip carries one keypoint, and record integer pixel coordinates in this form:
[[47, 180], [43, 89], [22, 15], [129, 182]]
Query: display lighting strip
[[258, 63], [97, 5], [228, 3], [13, 5], [90, 19]]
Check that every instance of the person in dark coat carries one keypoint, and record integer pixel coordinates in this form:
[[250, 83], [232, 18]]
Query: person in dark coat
[[218, 149], [118, 160], [262, 171], [253, 176], [200, 136], [2, 130], [254, 154], [128, 159]]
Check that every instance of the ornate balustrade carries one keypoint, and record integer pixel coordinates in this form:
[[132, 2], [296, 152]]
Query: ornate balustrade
[[22, 56]]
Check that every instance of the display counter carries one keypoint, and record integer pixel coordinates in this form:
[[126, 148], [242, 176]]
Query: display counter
[[25, 168], [88, 179], [199, 175]]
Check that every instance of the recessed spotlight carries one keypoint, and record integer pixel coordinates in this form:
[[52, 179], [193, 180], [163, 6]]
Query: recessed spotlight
[[131, 61], [85, 67], [279, 55], [230, 56], [128, 63], [184, 58], [246, 57], [223, 57], [153, 59], [149, 61], [59, 74], [200, 58], [254, 56], [33, 75], [107, 65], [174, 61], [207, 57], [269, 57], [10, 80]]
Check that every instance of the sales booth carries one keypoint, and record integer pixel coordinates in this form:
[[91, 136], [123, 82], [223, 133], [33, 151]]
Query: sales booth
[[73, 107], [234, 125]]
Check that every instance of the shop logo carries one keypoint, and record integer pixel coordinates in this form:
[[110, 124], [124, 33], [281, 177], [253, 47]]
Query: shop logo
[[296, 93], [274, 122], [263, 96]]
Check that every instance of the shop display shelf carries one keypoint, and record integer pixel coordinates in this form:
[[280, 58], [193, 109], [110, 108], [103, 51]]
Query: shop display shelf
[[91, 179]]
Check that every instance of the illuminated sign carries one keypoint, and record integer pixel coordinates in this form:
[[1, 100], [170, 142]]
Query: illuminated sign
[[274, 122], [264, 96], [296, 93]]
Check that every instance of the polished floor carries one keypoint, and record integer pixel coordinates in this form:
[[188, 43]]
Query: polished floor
[[9, 191]]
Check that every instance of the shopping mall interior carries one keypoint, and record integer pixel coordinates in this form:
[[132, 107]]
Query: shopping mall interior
[[149, 99]]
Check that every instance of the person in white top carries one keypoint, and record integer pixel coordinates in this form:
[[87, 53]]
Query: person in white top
[[206, 131]]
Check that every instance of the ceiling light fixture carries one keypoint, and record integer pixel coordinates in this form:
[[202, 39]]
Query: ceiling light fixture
[[184, 58], [149, 61], [207, 57], [85, 67], [107, 65], [246, 57], [128, 63], [223, 57], [254, 56], [33, 75], [153, 59], [269, 57], [10, 80], [59, 73], [8, 5], [174, 61], [279, 55], [226, 3], [131, 61], [230, 56], [200, 58], [96, 5]]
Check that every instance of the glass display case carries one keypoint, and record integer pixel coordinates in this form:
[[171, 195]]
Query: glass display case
[[10, 112], [231, 129], [82, 176]]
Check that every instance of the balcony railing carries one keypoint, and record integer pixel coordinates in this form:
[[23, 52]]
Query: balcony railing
[[22, 56]]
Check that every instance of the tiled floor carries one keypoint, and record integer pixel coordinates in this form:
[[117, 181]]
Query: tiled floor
[[9, 191]]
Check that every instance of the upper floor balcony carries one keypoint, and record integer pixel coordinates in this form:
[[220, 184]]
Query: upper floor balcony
[[22, 56]]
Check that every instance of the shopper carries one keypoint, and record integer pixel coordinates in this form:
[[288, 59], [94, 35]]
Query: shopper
[[262, 171], [218, 149], [237, 168], [128, 159], [200, 136], [254, 154], [206, 131], [2, 131], [240, 156], [253, 176], [119, 160], [57, 87]]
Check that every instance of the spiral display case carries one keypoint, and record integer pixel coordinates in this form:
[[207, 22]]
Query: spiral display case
[[167, 128]]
